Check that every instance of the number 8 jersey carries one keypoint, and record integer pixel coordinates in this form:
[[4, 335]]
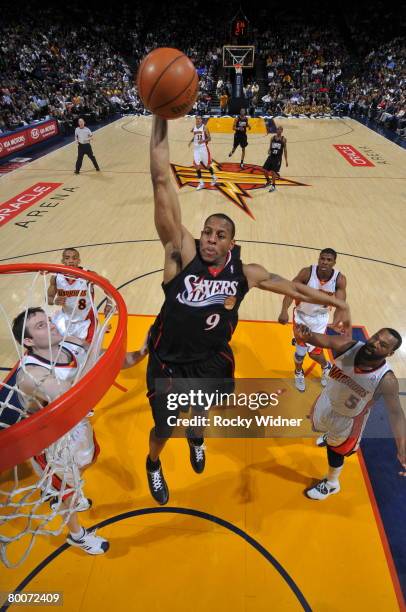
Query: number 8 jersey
[[76, 317], [200, 312], [349, 390]]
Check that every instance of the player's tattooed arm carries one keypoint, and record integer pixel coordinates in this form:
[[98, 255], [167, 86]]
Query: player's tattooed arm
[[389, 389], [302, 277]]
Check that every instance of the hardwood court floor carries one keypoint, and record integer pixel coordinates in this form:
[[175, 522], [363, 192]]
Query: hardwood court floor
[[160, 560]]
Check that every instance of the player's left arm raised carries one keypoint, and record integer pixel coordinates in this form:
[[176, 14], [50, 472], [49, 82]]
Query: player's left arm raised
[[389, 389], [259, 277], [178, 243]]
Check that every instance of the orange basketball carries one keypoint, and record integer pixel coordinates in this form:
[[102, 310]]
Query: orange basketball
[[167, 83]]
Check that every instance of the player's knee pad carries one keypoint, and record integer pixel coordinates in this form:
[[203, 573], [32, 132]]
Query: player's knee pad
[[300, 352], [335, 460]]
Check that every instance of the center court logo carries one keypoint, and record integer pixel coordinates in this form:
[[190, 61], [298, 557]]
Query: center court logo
[[234, 182]]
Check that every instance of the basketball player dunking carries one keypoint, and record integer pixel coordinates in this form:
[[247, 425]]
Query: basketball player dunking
[[201, 153], [240, 127], [272, 165], [314, 316], [358, 378], [204, 283]]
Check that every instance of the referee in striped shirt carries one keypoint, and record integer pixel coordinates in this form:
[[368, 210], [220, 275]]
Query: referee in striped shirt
[[83, 136]]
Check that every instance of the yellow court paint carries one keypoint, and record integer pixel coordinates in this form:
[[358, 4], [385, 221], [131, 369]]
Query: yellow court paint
[[224, 125], [174, 561]]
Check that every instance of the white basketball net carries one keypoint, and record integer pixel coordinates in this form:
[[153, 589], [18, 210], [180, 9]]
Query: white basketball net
[[27, 491]]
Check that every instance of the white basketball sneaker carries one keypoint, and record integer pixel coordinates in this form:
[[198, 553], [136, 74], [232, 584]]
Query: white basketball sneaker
[[322, 490], [322, 440], [300, 381], [325, 374], [90, 543], [82, 504], [200, 186], [213, 180]]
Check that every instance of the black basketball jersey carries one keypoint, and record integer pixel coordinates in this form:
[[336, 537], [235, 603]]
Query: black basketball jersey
[[200, 311], [241, 125], [277, 148]]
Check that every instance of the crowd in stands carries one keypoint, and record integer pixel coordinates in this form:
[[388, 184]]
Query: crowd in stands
[[303, 67], [61, 72], [82, 64], [379, 92]]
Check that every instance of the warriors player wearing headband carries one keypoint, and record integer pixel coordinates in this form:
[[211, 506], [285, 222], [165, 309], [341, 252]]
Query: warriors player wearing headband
[[48, 369], [204, 283], [324, 277], [240, 127], [201, 153], [359, 377], [75, 295]]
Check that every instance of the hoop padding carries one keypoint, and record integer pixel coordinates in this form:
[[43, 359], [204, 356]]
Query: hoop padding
[[32, 435]]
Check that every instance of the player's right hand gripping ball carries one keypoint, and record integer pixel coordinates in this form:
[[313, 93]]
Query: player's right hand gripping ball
[[167, 83]]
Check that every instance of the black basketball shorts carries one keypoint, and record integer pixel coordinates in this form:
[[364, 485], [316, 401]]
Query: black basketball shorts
[[215, 374], [272, 165], [240, 139]]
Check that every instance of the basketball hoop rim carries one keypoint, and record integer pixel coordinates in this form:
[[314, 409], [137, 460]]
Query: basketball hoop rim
[[32, 435]]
